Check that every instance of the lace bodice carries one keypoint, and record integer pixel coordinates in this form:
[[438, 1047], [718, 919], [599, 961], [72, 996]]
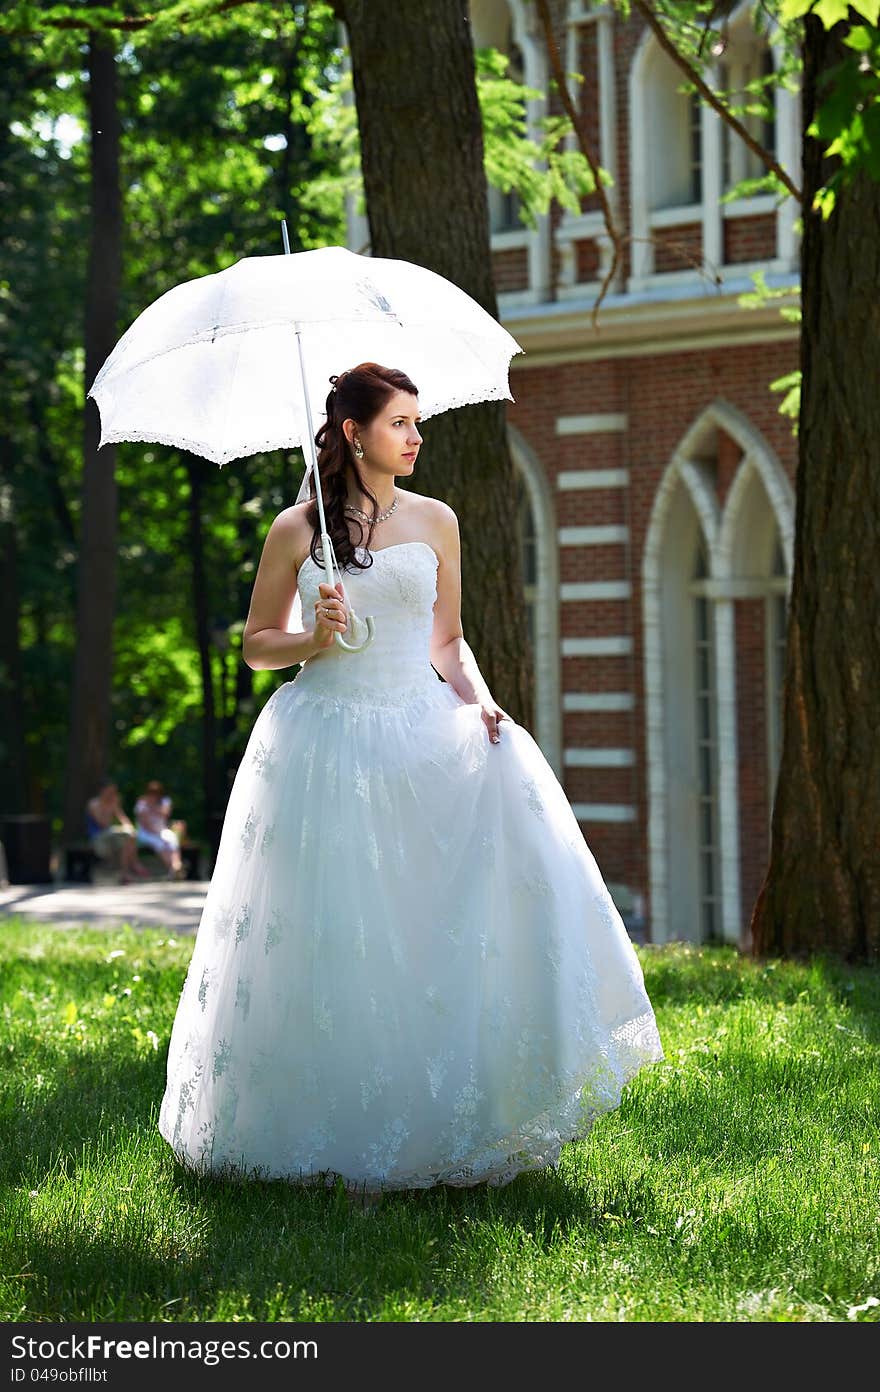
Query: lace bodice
[[399, 590]]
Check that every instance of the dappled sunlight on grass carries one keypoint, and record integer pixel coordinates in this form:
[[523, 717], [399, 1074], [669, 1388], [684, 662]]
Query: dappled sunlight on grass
[[736, 1181]]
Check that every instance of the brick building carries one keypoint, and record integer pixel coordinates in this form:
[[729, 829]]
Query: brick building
[[656, 474]]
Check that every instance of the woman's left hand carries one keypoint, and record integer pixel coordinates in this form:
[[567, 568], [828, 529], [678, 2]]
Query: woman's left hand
[[492, 716]]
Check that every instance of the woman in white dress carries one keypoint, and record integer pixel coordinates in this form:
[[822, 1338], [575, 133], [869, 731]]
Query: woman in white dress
[[408, 969], [152, 811]]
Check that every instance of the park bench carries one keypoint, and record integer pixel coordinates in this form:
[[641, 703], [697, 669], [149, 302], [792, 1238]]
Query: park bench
[[80, 860]]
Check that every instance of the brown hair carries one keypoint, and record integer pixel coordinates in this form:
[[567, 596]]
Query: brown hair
[[360, 393]]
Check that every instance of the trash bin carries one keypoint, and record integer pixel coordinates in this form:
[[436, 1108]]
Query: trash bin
[[27, 841]]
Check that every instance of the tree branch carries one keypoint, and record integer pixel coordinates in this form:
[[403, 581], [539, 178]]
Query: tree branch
[[580, 131], [711, 99]]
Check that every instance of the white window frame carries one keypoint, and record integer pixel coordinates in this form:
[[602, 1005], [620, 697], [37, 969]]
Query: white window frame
[[710, 212]]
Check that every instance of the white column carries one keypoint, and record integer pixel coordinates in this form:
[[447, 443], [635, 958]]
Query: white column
[[739, 76], [540, 242], [788, 154], [712, 217], [608, 128], [642, 250], [728, 791]]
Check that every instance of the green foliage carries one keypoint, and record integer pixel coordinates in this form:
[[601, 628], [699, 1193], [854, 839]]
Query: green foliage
[[848, 119], [790, 383], [540, 166], [224, 132]]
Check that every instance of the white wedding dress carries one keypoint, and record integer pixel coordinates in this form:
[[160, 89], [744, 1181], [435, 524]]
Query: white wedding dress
[[408, 969]]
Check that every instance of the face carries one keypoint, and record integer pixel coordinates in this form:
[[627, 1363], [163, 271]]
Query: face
[[391, 441]]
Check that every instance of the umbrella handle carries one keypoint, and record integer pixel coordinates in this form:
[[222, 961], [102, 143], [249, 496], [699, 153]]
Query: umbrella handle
[[330, 564], [357, 647]]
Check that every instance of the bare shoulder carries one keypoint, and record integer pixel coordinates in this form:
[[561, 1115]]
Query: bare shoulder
[[440, 525], [441, 512], [291, 531]]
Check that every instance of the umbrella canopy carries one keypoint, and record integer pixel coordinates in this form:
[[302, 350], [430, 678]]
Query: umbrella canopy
[[212, 366]]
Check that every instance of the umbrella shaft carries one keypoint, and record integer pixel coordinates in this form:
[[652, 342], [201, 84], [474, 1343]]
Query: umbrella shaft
[[310, 429]]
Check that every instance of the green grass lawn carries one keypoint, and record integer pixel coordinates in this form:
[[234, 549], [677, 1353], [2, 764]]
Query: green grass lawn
[[738, 1180]]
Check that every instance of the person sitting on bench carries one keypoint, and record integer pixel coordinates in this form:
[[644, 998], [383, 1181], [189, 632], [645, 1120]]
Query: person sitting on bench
[[152, 811], [111, 834]]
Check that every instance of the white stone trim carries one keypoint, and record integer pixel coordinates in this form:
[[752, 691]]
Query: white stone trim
[[571, 479], [598, 701], [713, 222], [658, 830], [721, 531], [604, 535], [548, 675], [736, 588], [597, 424], [600, 758], [611, 646], [761, 459], [667, 318], [711, 212], [728, 774], [642, 252], [604, 812], [595, 589], [756, 206], [573, 226], [509, 239], [686, 213], [674, 279]]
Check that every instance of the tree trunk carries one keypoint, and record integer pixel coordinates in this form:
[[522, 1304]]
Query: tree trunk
[[14, 793], [822, 889], [422, 159], [196, 469], [89, 743]]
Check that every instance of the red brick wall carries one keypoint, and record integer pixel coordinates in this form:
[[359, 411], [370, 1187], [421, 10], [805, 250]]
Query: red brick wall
[[729, 455], [586, 260], [749, 238], [678, 248], [510, 270], [662, 396]]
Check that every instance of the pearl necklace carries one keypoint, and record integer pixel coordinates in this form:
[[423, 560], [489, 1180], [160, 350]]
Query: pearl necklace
[[381, 517]]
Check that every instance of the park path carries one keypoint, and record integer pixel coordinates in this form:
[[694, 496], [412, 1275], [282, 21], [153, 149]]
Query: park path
[[172, 904]]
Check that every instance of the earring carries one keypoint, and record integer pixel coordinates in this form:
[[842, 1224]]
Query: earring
[[358, 449]]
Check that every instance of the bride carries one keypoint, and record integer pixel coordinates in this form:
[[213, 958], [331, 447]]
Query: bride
[[408, 969]]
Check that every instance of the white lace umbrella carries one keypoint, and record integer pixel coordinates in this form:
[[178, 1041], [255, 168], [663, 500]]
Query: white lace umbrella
[[238, 362]]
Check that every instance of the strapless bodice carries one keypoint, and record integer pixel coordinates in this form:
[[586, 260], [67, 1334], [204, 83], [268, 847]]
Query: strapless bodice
[[399, 591]]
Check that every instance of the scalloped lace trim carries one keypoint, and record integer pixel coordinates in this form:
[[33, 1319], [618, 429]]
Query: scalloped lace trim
[[581, 1100], [262, 444]]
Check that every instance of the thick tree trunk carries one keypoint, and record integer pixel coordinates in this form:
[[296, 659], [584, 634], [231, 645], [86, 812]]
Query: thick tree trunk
[[422, 158], [89, 743], [822, 889]]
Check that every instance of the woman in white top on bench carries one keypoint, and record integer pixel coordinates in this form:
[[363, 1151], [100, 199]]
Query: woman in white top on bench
[[151, 812]]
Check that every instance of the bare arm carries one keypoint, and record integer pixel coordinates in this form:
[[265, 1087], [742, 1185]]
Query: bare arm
[[121, 817], [450, 654], [266, 645]]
